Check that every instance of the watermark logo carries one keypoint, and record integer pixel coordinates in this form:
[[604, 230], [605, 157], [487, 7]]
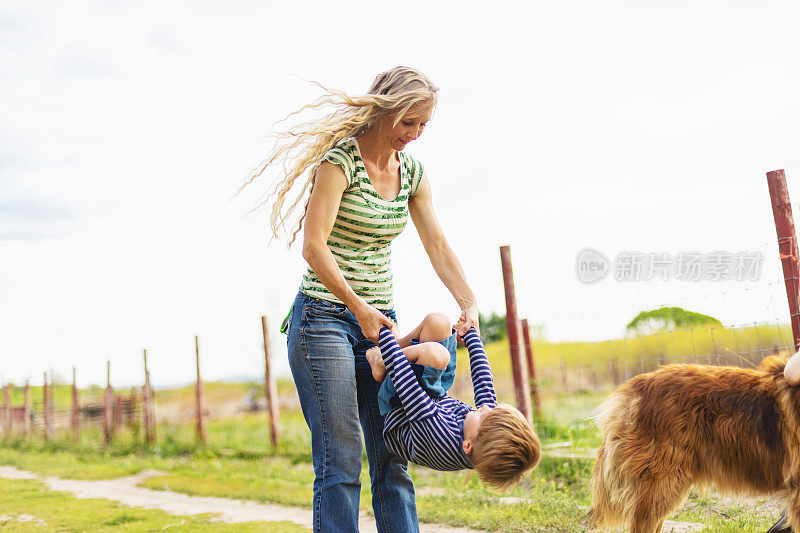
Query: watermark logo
[[592, 266]]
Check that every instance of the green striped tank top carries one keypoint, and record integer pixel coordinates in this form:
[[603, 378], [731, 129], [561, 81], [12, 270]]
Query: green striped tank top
[[365, 226]]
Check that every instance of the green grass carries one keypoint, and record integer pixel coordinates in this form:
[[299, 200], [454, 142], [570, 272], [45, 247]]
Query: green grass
[[218, 392], [239, 462], [553, 497], [753, 342], [62, 395], [215, 392], [26, 505]]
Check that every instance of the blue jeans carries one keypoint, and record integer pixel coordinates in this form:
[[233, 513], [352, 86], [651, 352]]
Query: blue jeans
[[336, 389]]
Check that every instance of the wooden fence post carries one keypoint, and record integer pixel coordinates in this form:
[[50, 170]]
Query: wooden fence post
[[270, 388], [133, 405], [7, 412], [48, 423], [145, 412], [521, 389], [200, 397], [147, 406], [76, 430], [787, 245], [117, 413], [26, 411], [108, 423], [615, 377], [526, 337], [51, 406]]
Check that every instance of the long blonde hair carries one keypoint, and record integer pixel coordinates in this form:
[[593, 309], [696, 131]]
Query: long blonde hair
[[301, 147]]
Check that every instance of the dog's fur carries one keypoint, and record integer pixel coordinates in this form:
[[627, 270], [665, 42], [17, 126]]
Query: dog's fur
[[685, 425]]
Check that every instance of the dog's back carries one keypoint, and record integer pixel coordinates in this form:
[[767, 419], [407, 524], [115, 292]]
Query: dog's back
[[690, 424]]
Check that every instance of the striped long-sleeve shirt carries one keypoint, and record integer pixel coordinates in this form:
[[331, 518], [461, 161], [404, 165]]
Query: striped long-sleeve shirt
[[430, 431]]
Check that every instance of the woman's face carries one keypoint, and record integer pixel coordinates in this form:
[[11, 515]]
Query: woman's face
[[409, 127]]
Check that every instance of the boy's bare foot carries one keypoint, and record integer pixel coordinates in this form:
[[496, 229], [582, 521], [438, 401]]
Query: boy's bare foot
[[375, 360]]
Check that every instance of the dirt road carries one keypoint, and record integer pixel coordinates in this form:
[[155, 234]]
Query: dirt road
[[126, 491]]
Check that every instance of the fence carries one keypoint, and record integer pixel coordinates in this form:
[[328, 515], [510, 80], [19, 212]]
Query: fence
[[611, 362], [538, 370], [116, 410]]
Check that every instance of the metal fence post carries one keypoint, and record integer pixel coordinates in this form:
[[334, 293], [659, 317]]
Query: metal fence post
[[787, 245], [521, 390]]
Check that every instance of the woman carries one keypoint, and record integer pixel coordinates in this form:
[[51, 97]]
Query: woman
[[363, 187]]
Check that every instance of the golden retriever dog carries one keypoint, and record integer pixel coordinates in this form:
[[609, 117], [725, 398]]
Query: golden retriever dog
[[685, 425]]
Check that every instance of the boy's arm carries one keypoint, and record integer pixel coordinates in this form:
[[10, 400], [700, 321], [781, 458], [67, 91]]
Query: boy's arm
[[416, 402], [482, 382]]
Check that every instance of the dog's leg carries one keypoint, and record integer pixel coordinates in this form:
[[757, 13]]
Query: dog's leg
[[644, 521], [647, 515], [656, 500]]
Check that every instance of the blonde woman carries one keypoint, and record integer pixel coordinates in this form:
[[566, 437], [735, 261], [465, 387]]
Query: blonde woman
[[363, 188]]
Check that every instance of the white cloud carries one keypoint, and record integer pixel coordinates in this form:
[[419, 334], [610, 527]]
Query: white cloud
[[614, 125]]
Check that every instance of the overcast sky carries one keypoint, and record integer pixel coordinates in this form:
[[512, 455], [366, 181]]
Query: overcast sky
[[620, 126]]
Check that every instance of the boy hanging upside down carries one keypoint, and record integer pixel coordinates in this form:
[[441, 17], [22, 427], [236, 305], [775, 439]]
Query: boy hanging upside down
[[426, 426]]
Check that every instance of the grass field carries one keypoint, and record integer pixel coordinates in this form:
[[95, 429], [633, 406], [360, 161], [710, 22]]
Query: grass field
[[238, 462], [25, 505]]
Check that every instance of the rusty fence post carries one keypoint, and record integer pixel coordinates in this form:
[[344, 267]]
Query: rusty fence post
[[526, 337], [522, 392], [787, 245], [26, 411], [76, 430], [270, 388], [200, 397]]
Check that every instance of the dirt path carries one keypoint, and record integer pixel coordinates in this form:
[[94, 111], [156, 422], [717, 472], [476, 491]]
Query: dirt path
[[125, 490]]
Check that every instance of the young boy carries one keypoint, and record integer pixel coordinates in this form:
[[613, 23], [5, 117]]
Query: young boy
[[426, 426]]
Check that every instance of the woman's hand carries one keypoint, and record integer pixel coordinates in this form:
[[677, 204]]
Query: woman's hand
[[371, 320], [468, 319], [792, 370]]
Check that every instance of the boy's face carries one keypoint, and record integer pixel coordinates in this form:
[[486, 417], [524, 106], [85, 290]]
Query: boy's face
[[472, 423]]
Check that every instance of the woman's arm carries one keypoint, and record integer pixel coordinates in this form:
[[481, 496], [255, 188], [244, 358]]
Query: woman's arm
[[323, 205], [442, 257]]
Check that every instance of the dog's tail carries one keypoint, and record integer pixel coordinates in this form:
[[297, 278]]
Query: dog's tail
[[607, 510]]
